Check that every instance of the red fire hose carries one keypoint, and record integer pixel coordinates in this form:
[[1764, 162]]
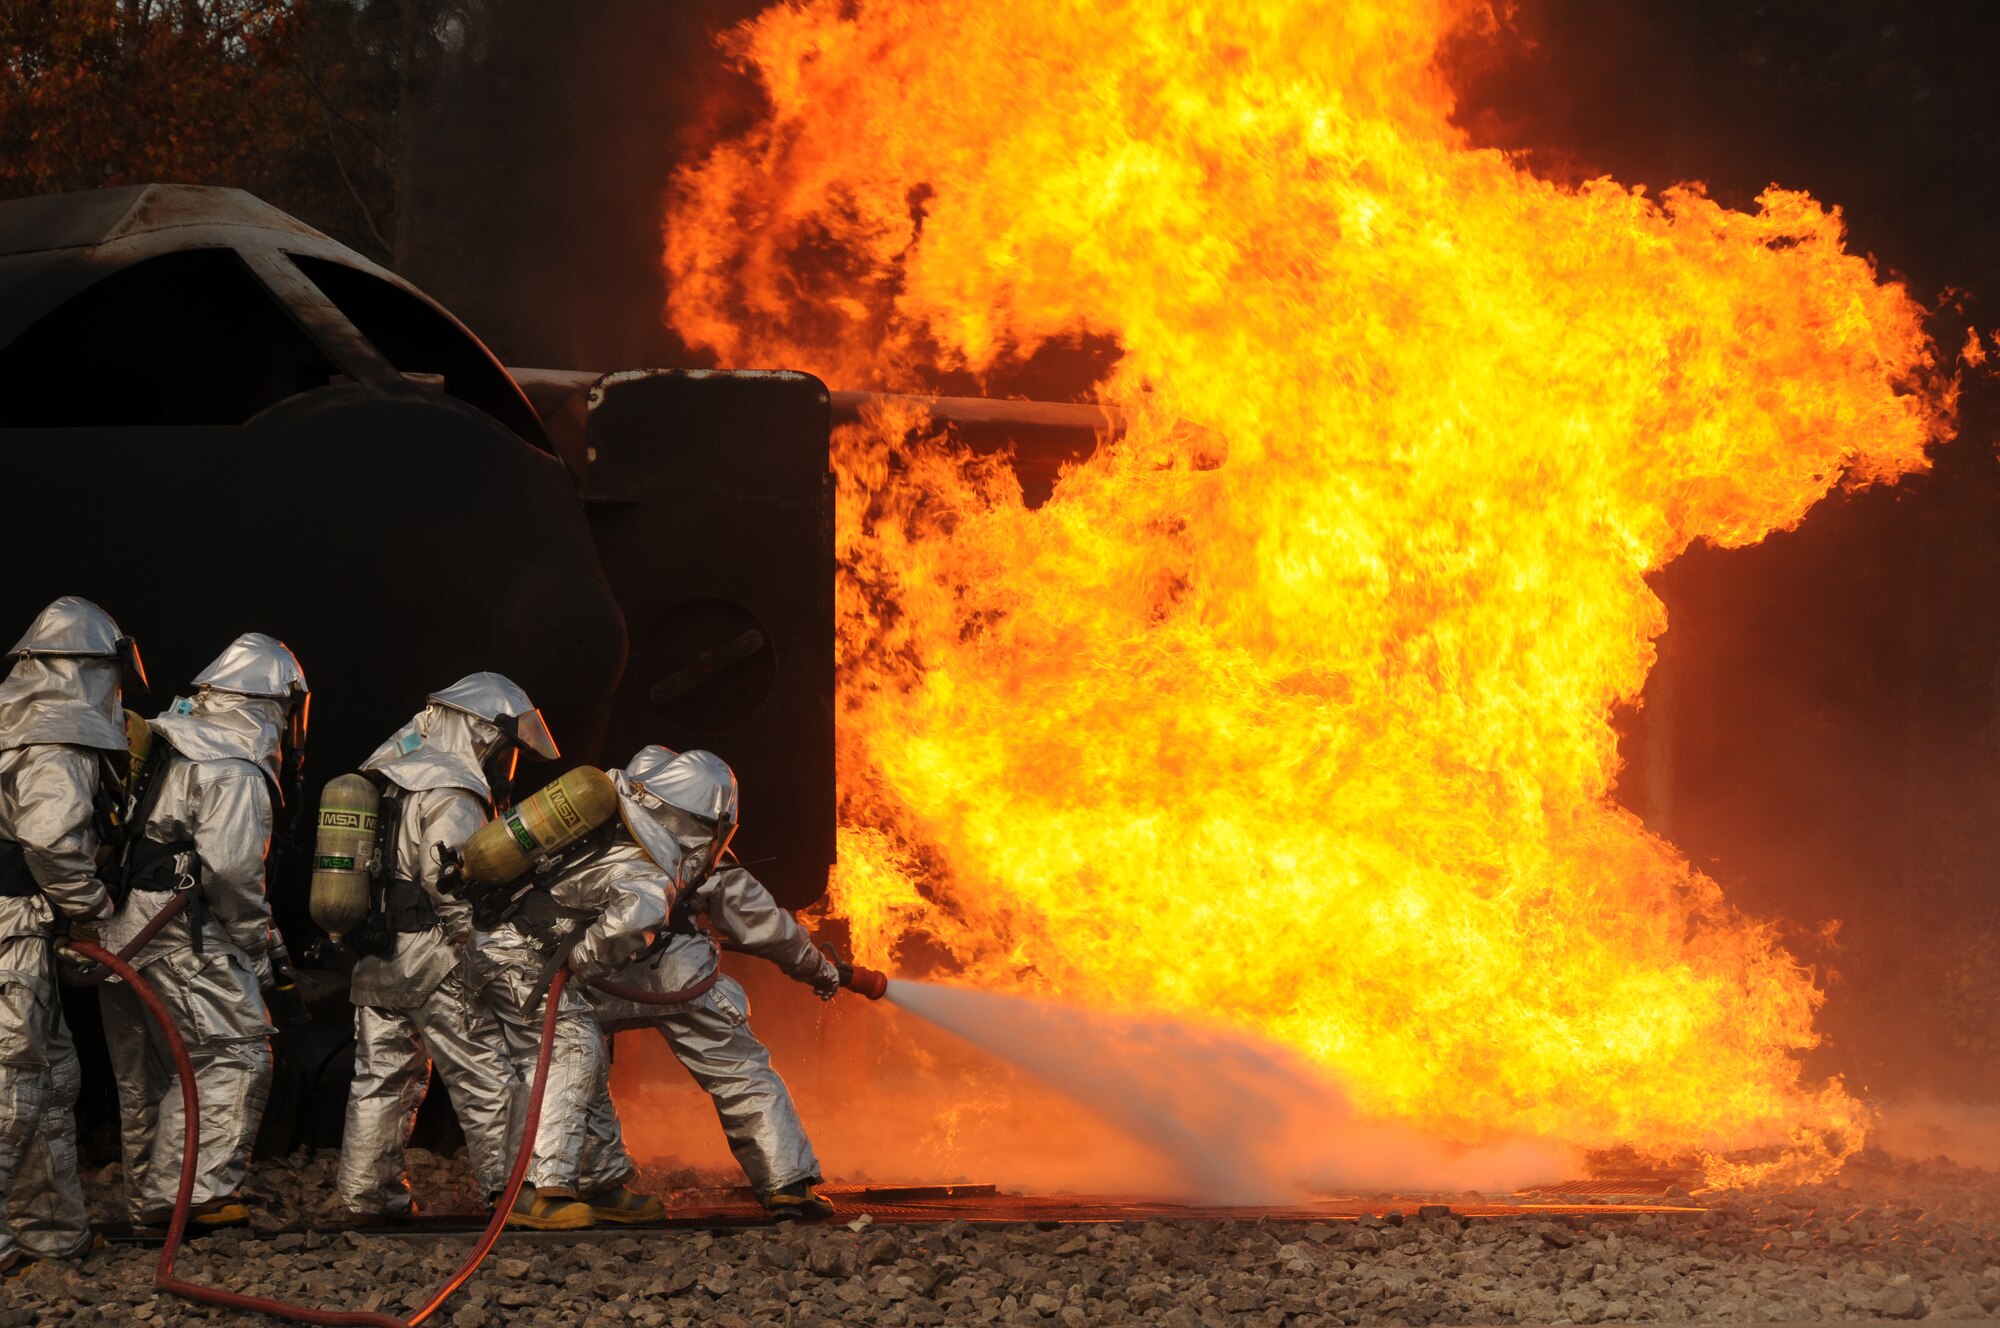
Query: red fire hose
[[163, 1277], [163, 1274], [505, 1203], [529, 1125]]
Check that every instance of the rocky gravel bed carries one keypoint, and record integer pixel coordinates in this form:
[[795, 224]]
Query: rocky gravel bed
[[1884, 1241]]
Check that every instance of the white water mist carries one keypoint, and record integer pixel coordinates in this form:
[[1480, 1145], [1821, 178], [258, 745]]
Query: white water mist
[[1242, 1121]]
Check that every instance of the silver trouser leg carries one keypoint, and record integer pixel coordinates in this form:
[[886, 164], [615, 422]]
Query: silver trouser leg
[[24, 1103], [606, 1164], [390, 1074], [713, 1040], [465, 1040], [24, 1077], [575, 1062], [144, 1073], [215, 1004], [232, 1082], [48, 1210]]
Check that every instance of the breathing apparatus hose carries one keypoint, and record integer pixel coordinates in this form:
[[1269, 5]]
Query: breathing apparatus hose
[[110, 964]]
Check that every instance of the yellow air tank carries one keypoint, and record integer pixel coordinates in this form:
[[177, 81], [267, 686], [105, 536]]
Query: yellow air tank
[[343, 854], [139, 739], [557, 816]]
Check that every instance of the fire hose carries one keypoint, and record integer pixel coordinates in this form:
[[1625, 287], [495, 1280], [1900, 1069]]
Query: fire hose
[[109, 964], [91, 977]]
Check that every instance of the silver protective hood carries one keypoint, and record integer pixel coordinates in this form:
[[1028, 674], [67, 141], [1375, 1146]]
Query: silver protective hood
[[62, 699], [440, 748], [71, 625], [500, 701], [218, 726], [65, 683], [255, 665], [673, 803], [699, 783], [248, 700]]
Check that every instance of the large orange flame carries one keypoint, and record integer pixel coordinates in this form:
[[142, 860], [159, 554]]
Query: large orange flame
[[1316, 740]]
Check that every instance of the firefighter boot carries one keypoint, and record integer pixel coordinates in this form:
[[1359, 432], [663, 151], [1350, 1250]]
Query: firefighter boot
[[624, 1207], [552, 1210], [797, 1201]]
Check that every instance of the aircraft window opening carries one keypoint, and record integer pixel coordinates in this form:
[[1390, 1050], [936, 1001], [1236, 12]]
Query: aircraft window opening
[[187, 338], [422, 343]]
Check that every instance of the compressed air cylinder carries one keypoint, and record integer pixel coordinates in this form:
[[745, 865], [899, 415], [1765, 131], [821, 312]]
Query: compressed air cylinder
[[557, 816], [342, 854], [139, 739]]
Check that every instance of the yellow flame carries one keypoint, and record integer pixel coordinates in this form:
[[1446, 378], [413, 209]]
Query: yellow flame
[[1317, 739]]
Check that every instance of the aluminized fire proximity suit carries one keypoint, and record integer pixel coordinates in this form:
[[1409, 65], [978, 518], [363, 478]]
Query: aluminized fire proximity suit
[[711, 1035], [412, 1006], [603, 917], [60, 724], [206, 817]]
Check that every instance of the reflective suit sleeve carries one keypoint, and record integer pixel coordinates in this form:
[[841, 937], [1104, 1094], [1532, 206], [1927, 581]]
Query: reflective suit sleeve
[[447, 816], [633, 907], [56, 784], [232, 833], [742, 910]]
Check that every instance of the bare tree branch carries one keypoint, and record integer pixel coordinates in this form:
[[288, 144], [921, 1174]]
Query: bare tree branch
[[328, 107], [333, 146]]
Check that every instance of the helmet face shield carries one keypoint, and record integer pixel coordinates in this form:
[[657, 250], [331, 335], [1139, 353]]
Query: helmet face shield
[[529, 730], [132, 666], [300, 722]]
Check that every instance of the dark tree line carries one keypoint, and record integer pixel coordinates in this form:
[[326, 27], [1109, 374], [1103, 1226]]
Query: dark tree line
[[508, 155], [311, 104]]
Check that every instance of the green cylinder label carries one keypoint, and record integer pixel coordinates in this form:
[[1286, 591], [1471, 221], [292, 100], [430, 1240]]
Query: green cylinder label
[[344, 818], [521, 835]]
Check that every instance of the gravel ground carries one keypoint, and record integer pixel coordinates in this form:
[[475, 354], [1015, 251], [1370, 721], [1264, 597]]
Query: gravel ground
[[1887, 1240]]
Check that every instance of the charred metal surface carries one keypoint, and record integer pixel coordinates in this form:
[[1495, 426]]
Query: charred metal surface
[[711, 500], [187, 328], [53, 250], [1633, 1188]]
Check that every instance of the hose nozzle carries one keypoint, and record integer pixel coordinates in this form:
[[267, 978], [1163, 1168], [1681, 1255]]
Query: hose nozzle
[[865, 981]]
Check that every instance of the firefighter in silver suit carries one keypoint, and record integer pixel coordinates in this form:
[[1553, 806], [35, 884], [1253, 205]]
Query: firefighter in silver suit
[[596, 918], [451, 764], [62, 748], [204, 820], [692, 798]]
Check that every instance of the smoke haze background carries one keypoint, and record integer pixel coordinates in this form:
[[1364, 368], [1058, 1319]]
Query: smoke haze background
[[1922, 1129]]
